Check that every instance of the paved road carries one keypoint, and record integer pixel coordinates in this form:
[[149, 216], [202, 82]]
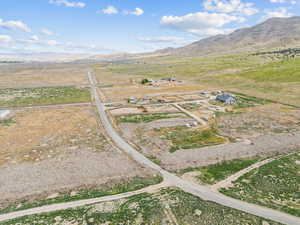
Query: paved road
[[198, 190]]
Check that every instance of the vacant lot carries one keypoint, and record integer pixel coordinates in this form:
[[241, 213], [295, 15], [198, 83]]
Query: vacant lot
[[147, 118], [41, 75], [183, 138], [169, 206], [36, 135], [214, 173], [274, 185], [117, 93], [260, 120], [43, 96], [54, 150]]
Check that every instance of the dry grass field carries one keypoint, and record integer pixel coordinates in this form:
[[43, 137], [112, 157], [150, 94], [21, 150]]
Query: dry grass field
[[260, 120], [22, 76], [39, 134], [48, 153]]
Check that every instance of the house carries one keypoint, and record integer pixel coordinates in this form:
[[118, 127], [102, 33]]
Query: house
[[227, 99]]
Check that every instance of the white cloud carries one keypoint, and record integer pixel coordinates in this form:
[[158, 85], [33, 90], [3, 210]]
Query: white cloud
[[68, 3], [35, 40], [47, 32], [280, 12], [293, 2], [14, 25], [201, 23], [109, 10], [5, 39], [231, 6], [136, 12]]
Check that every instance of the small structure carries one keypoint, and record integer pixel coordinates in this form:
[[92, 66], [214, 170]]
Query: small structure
[[132, 100], [227, 99], [146, 100], [4, 113], [170, 79], [193, 124]]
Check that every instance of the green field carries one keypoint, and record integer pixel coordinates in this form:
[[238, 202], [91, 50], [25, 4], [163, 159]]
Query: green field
[[259, 76], [275, 185], [169, 206], [128, 186], [183, 138], [43, 96], [146, 118], [214, 173]]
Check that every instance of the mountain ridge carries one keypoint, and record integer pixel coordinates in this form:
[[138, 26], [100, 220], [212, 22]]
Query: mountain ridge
[[270, 34]]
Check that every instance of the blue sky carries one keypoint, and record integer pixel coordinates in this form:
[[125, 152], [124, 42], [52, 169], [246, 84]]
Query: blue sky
[[107, 26]]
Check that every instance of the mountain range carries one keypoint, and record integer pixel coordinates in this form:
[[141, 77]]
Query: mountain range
[[274, 33]]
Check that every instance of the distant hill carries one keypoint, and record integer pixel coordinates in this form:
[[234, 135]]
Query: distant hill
[[271, 34]]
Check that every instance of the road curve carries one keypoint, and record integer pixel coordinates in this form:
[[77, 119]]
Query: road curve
[[198, 190]]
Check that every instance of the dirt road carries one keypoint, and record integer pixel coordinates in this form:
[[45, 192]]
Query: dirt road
[[197, 190]]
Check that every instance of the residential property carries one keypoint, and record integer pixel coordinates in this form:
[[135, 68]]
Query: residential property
[[227, 99]]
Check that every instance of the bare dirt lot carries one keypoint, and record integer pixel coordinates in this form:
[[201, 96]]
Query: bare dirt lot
[[149, 109], [120, 93], [47, 150], [39, 134], [22, 76], [260, 120], [154, 144]]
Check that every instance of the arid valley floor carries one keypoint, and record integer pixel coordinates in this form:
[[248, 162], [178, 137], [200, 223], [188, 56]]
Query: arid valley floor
[[146, 141]]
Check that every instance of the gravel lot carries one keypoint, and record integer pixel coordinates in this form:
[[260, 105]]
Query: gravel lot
[[157, 147], [262, 146], [81, 170]]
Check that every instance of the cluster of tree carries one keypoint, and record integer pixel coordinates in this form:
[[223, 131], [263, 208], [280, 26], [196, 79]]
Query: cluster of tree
[[286, 53], [10, 62], [145, 81]]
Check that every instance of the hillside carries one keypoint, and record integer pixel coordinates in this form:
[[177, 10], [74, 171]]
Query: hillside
[[273, 33]]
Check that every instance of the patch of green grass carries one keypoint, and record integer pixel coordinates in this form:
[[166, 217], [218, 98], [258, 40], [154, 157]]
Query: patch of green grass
[[43, 96], [6, 122], [191, 106], [154, 159], [183, 138], [214, 173], [275, 185], [145, 118], [132, 185], [249, 101], [281, 71], [169, 206]]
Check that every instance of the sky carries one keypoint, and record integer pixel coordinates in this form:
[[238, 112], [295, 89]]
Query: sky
[[113, 26]]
